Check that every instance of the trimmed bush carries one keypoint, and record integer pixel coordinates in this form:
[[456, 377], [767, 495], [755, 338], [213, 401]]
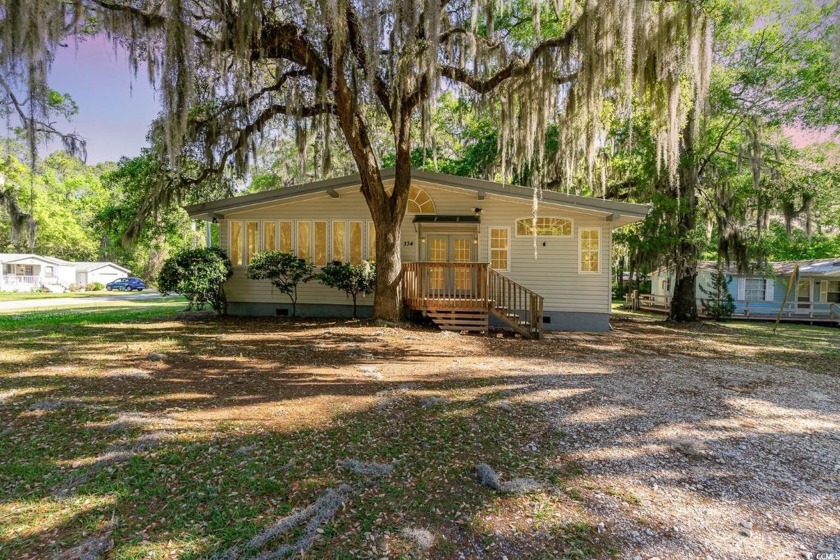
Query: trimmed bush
[[284, 270], [352, 279], [94, 287], [199, 275]]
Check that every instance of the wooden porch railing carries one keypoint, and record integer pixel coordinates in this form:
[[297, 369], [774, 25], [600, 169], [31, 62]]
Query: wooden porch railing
[[516, 303], [793, 310], [447, 285]]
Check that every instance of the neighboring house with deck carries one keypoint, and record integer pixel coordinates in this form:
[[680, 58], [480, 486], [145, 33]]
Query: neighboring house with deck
[[815, 294], [24, 272], [471, 251]]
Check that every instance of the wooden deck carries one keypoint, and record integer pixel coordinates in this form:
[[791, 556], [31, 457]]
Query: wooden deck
[[792, 312], [462, 296]]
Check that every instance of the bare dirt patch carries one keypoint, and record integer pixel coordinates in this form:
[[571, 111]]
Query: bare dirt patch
[[674, 442]]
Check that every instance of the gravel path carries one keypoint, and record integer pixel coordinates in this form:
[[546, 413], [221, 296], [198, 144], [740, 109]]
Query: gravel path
[[693, 458]]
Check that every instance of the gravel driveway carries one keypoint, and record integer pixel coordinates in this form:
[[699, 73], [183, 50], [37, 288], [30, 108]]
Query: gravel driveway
[[693, 458]]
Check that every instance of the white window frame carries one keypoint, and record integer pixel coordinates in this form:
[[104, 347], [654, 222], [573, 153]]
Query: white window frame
[[242, 236], [763, 289], [580, 250], [263, 248], [363, 241], [312, 240], [366, 249], [490, 247], [346, 240], [827, 284], [531, 218], [245, 259], [292, 234]]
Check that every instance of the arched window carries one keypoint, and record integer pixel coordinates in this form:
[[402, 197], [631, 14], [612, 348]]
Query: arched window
[[545, 227], [419, 202]]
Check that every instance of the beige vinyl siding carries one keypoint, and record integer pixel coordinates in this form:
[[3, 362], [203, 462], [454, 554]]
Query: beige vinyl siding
[[553, 273]]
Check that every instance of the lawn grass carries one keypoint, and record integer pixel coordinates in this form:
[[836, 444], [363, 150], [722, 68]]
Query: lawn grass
[[299, 400], [790, 345], [24, 296], [252, 416]]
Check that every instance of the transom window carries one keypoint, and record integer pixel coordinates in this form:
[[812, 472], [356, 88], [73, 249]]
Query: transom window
[[755, 289], [419, 202], [544, 227]]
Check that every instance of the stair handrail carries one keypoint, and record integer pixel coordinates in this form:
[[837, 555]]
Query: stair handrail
[[526, 304]]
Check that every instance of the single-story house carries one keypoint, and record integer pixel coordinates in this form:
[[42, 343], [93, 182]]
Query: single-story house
[[469, 248], [815, 292], [102, 272], [24, 272]]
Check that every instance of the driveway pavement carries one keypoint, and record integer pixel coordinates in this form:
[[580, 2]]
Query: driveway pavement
[[62, 302]]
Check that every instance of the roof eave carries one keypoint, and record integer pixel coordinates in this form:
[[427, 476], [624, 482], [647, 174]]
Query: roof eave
[[216, 209]]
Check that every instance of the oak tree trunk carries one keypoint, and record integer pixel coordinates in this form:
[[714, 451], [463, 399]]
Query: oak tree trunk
[[684, 300]]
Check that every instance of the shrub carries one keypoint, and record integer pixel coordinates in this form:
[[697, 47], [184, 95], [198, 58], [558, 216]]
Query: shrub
[[199, 275], [284, 270], [720, 305], [94, 287], [41, 290], [352, 279], [73, 287]]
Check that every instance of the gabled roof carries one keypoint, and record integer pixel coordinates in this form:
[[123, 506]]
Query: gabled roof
[[813, 267], [610, 208], [91, 266], [15, 258]]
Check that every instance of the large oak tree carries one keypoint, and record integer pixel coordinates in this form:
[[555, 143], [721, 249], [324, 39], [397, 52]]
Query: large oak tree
[[229, 70]]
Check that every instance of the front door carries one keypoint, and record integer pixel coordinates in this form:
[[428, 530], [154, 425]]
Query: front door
[[450, 248], [803, 294]]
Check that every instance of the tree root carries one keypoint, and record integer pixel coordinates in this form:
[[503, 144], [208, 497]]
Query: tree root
[[320, 512]]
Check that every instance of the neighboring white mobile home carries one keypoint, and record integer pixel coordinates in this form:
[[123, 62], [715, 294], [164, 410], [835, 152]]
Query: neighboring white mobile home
[[102, 272], [24, 272], [464, 242]]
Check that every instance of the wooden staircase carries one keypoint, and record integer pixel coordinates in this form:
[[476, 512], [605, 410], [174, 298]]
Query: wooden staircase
[[466, 303], [515, 305]]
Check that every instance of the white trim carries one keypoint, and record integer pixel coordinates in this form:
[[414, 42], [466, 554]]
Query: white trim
[[366, 236], [770, 289], [744, 292], [600, 250], [246, 259], [331, 252], [570, 220], [490, 247], [263, 248], [293, 239], [241, 240]]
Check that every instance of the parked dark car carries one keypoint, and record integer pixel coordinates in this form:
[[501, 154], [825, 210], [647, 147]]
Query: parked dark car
[[126, 284]]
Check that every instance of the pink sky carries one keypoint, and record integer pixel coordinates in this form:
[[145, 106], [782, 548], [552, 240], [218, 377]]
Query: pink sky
[[802, 138], [115, 108]]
